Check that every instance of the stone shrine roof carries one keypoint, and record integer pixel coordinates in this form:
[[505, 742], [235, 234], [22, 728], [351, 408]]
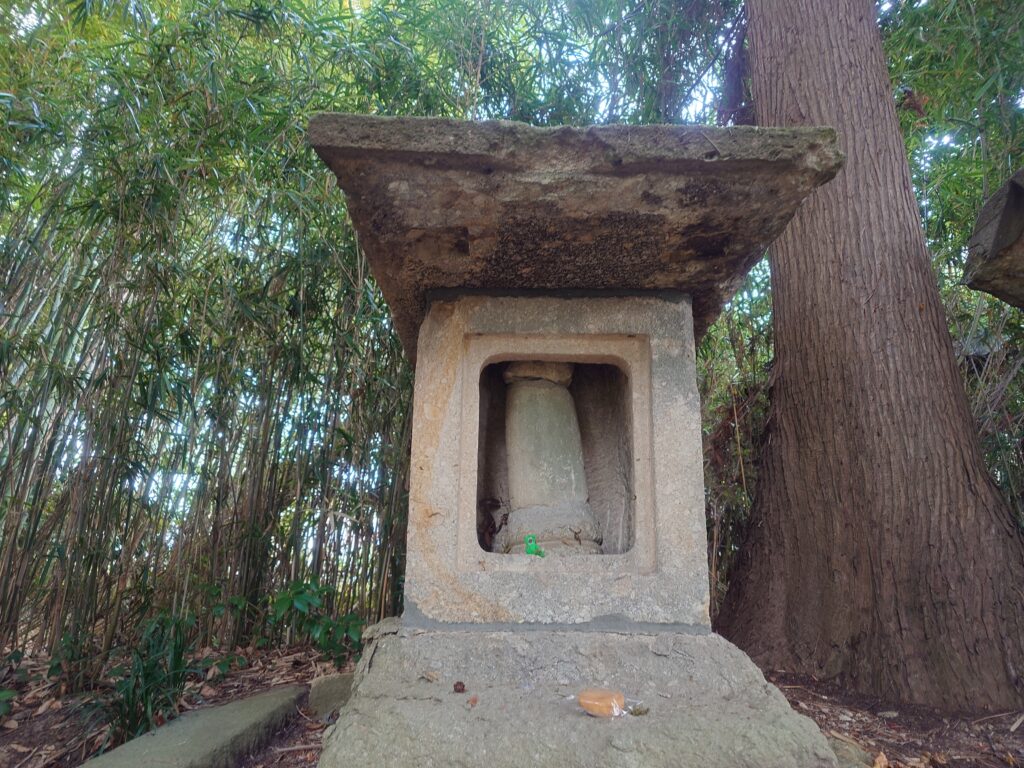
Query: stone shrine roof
[[499, 207], [995, 253]]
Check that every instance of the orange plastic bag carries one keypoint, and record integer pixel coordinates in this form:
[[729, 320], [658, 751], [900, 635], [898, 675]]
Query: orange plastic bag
[[601, 702]]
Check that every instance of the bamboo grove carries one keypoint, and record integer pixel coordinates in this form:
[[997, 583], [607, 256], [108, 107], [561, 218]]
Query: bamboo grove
[[202, 403]]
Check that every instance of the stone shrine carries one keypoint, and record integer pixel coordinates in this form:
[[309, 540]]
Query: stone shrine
[[550, 285]]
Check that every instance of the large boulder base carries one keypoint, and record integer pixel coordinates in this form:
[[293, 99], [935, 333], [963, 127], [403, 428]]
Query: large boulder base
[[707, 704]]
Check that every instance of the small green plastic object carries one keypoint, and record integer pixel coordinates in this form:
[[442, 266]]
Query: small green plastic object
[[530, 540]]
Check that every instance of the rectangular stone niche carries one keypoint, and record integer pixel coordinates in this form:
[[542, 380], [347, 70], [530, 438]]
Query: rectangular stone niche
[[600, 394], [634, 393]]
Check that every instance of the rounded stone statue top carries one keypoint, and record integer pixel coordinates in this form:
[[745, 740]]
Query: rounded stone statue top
[[527, 370]]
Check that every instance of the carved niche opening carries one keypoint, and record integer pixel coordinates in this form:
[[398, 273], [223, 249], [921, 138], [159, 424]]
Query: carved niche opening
[[555, 458]]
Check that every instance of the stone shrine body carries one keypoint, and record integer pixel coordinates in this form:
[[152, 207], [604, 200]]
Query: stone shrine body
[[550, 286]]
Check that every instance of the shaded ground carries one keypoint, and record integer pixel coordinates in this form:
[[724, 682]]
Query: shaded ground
[[914, 737], [62, 731], [48, 729], [299, 744]]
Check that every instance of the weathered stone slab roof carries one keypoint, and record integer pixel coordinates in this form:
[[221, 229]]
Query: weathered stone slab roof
[[508, 208], [995, 253]]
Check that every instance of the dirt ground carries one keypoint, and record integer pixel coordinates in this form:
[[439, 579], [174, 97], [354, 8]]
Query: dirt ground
[[48, 729], [907, 736], [51, 730]]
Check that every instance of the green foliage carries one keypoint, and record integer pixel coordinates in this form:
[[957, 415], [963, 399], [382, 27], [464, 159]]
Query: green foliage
[[201, 397], [301, 608], [148, 686], [734, 363], [7, 696], [191, 325], [74, 660]]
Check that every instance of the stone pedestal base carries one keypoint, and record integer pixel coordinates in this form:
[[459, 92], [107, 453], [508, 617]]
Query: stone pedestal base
[[708, 705]]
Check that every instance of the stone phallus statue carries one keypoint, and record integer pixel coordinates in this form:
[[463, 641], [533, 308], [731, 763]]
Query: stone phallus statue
[[547, 481]]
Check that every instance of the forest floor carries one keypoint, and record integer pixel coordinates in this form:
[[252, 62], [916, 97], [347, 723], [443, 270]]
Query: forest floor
[[914, 737], [54, 731], [49, 729]]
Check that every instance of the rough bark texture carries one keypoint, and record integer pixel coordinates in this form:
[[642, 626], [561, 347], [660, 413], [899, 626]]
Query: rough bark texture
[[880, 551]]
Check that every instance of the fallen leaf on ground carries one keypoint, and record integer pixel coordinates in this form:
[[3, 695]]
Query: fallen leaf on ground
[[49, 704], [881, 761]]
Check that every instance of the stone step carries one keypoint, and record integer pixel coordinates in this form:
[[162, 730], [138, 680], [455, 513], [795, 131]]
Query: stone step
[[329, 693], [218, 737], [850, 755]]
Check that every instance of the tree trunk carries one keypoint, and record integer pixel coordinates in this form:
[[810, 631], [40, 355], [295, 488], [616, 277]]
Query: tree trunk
[[880, 551]]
